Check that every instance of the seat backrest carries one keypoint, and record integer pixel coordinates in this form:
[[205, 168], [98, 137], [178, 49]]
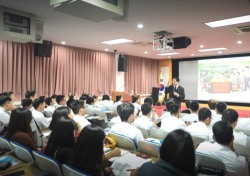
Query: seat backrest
[[47, 114], [143, 131], [71, 171], [245, 131], [209, 165], [47, 164], [5, 144], [21, 152], [158, 133], [242, 150], [123, 141], [197, 140], [148, 148]]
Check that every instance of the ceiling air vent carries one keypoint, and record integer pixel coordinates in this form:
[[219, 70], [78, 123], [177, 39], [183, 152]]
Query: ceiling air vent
[[241, 30]]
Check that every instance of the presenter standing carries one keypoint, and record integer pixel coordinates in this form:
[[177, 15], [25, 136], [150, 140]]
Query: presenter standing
[[176, 92]]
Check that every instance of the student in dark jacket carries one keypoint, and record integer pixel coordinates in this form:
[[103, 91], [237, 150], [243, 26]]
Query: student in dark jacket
[[177, 157]]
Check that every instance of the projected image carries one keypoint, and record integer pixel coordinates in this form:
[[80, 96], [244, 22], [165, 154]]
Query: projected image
[[224, 79]]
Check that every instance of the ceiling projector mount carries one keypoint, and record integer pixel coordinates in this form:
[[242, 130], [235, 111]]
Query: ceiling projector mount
[[163, 41]]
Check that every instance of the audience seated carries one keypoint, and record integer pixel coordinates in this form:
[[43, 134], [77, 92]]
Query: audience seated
[[212, 104], [201, 128], [174, 121], [187, 111], [219, 108], [12, 96], [61, 140], [61, 100], [223, 149], [19, 129], [166, 112], [70, 100], [193, 117], [53, 98], [118, 101], [177, 157], [27, 103], [50, 105], [136, 100], [126, 111], [5, 106], [153, 113], [37, 114], [31, 94], [87, 154]]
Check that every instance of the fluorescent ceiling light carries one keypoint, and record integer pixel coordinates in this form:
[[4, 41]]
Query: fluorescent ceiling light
[[140, 26], [212, 49], [230, 21], [167, 54], [117, 41], [63, 42]]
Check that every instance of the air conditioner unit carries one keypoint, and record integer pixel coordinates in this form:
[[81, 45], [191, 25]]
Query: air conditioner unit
[[20, 26], [92, 10]]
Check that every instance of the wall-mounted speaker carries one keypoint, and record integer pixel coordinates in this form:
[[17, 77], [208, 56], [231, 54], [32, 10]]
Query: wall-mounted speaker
[[122, 63], [181, 42], [44, 49]]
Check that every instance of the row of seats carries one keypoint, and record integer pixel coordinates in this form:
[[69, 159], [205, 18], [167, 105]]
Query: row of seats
[[41, 161]]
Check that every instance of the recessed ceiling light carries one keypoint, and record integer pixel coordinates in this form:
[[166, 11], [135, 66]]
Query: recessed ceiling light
[[140, 26], [239, 42], [106, 49], [117, 41], [167, 54], [146, 52], [201, 46], [229, 21], [219, 52], [212, 49], [63, 42]]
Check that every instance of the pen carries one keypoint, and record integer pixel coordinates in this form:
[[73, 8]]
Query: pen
[[130, 170]]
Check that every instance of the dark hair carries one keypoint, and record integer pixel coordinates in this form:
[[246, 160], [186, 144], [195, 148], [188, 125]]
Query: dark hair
[[37, 102], [30, 93], [230, 115], [8, 93], [125, 110], [220, 107], [118, 98], [146, 108], [176, 148], [43, 98], [135, 98], [176, 78], [59, 98], [187, 103], [174, 109], [62, 111], [194, 106], [87, 154], [212, 104], [61, 136], [20, 119], [90, 100], [4, 99], [54, 96], [77, 105], [105, 97], [48, 101], [168, 104], [70, 100], [148, 100], [223, 132], [204, 113], [26, 102]]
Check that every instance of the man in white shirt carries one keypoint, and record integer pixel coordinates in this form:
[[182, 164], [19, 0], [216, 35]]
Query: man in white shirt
[[79, 111], [193, 117], [200, 129], [126, 113], [219, 108], [50, 105], [153, 112], [144, 121], [5, 106], [37, 114], [31, 94], [212, 104], [174, 121], [61, 100], [223, 149]]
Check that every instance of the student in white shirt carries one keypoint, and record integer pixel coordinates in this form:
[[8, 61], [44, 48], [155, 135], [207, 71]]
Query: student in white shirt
[[174, 121], [5, 106], [126, 112], [193, 117], [201, 129], [212, 104], [136, 100], [118, 101], [79, 111], [223, 149], [53, 98], [31, 94], [153, 112], [144, 121], [50, 105], [167, 111], [37, 114], [61, 100], [219, 108], [27, 103]]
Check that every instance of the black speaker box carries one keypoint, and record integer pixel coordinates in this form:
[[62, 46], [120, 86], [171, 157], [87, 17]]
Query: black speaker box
[[181, 42], [122, 63], [155, 94], [44, 49]]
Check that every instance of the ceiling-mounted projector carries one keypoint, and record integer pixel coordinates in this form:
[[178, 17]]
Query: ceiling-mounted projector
[[92, 10]]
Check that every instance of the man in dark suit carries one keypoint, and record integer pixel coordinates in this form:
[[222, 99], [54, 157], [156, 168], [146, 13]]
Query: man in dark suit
[[176, 92]]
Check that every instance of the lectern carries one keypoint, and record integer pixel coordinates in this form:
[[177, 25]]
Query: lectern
[[125, 96]]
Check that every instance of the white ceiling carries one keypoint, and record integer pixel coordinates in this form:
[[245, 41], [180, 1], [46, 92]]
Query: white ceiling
[[180, 17]]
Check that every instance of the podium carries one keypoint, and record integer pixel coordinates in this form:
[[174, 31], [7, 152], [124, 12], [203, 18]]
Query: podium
[[125, 96]]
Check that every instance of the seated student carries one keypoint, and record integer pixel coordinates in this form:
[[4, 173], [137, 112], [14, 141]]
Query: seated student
[[5, 106], [126, 111], [166, 112], [219, 108], [87, 154], [136, 101], [12, 96], [201, 128], [193, 117], [50, 105], [223, 149], [27, 103], [187, 111], [79, 111], [144, 121], [212, 104], [61, 140], [37, 114], [61, 100], [31, 94], [70, 100], [177, 157], [53, 98], [231, 116], [153, 113], [118, 101], [174, 121], [19, 129]]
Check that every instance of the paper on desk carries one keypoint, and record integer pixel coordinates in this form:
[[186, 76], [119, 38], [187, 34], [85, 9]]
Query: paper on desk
[[123, 152]]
